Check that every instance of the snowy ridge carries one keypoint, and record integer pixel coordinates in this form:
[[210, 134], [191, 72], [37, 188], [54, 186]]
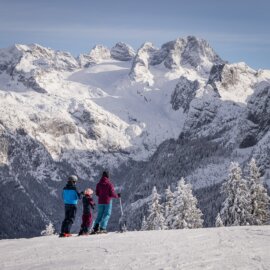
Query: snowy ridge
[[218, 248]]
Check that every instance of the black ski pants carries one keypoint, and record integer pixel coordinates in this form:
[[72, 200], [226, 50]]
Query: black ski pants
[[70, 213]]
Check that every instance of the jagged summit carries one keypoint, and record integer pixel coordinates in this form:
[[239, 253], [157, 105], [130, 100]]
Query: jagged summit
[[99, 53], [188, 53], [96, 55], [122, 52], [39, 56], [140, 67], [25, 64]]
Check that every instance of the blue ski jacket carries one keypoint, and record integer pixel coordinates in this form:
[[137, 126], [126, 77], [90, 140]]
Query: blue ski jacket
[[70, 194]]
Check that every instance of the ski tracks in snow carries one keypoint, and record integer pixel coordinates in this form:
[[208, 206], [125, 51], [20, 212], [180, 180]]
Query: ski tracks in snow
[[243, 248]]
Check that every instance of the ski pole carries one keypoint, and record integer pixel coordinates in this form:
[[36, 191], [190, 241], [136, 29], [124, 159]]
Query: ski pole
[[121, 207]]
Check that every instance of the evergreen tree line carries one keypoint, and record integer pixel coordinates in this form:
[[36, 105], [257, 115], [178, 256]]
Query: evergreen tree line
[[179, 210], [246, 203]]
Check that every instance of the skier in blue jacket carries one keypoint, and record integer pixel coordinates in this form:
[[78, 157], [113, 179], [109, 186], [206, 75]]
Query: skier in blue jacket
[[70, 196]]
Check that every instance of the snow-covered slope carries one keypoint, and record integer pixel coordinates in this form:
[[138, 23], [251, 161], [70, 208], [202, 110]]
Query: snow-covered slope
[[149, 117], [219, 248]]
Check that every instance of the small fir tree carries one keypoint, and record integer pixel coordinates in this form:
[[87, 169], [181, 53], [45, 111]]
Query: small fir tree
[[49, 230], [259, 198], [219, 222], [155, 219], [185, 213], [144, 224], [236, 209], [168, 204]]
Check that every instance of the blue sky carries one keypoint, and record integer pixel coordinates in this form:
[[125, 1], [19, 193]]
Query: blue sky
[[238, 30]]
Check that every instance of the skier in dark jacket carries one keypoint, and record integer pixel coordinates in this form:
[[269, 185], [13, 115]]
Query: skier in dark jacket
[[105, 192], [70, 196], [88, 203]]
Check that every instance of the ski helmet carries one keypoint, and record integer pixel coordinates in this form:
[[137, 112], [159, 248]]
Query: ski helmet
[[73, 178]]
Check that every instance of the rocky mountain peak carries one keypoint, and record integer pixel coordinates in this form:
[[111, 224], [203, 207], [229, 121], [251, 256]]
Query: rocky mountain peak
[[140, 67], [199, 49], [190, 52], [99, 53], [27, 58], [25, 63], [233, 81], [122, 52]]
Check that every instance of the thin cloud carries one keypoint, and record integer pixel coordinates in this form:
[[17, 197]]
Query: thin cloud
[[100, 32]]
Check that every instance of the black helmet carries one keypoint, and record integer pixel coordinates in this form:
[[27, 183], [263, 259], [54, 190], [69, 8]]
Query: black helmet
[[105, 174], [73, 178]]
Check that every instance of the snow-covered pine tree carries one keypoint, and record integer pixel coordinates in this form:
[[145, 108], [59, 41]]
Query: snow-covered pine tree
[[185, 213], [49, 230], [144, 225], [236, 209], [155, 219], [219, 222], [259, 198], [168, 204]]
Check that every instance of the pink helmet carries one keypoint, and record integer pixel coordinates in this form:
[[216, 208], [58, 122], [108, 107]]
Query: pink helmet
[[88, 191]]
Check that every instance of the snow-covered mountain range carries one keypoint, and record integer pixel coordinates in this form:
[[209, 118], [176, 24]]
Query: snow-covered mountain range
[[149, 117]]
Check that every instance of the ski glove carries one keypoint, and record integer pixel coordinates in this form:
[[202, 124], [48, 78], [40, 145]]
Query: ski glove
[[119, 195]]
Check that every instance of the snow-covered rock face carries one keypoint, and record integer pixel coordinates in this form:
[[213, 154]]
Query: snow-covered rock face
[[256, 123], [198, 53], [233, 81], [122, 52], [26, 65], [26, 58], [177, 56], [85, 60], [184, 93], [99, 53], [140, 68]]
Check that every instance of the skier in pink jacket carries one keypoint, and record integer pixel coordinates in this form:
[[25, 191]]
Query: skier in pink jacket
[[105, 192]]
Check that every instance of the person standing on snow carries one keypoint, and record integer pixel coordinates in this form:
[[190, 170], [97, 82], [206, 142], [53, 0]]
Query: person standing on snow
[[88, 203], [105, 192], [70, 196]]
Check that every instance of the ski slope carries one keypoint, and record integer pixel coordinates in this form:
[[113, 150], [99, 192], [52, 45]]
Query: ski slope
[[216, 248]]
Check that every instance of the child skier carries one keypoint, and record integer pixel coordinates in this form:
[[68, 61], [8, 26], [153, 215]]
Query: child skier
[[88, 203]]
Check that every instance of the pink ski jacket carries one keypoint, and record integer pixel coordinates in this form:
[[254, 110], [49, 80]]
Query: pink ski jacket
[[105, 191]]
